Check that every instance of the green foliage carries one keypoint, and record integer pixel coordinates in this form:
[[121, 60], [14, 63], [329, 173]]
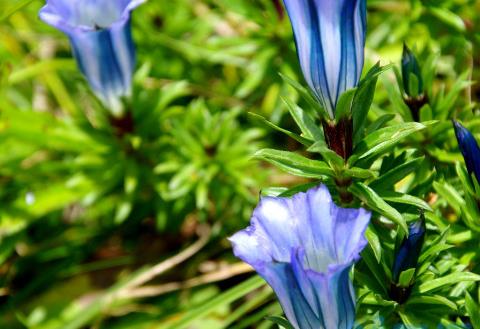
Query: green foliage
[[220, 112]]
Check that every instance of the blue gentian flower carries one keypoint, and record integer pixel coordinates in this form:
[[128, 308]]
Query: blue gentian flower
[[330, 39], [100, 35], [305, 247], [469, 148], [409, 251]]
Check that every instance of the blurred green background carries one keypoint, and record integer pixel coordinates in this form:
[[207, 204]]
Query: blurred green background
[[103, 227]]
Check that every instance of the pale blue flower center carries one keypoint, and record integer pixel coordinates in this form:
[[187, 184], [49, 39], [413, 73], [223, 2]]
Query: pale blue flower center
[[93, 13], [318, 260]]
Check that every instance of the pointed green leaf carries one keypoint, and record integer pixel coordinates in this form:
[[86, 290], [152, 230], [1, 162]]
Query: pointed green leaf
[[396, 197], [376, 203], [295, 164], [448, 192], [388, 180], [379, 123], [406, 278], [280, 321], [368, 256], [473, 311], [363, 99], [361, 173], [382, 140], [448, 17], [374, 242], [465, 178], [304, 121], [432, 300], [300, 139], [309, 98], [447, 280]]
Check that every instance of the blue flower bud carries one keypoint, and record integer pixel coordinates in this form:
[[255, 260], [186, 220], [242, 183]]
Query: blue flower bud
[[411, 74], [469, 148], [330, 40], [100, 35], [409, 251]]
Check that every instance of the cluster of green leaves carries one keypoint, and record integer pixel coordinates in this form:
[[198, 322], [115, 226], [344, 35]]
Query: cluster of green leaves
[[85, 202], [396, 168], [356, 175], [83, 193]]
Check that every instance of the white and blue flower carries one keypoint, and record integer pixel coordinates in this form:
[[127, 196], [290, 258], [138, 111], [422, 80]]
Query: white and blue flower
[[305, 247], [330, 39], [100, 35]]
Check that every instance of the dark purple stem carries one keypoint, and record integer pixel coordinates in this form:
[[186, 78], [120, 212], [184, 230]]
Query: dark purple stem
[[415, 104], [339, 136], [279, 8], [123, 125]]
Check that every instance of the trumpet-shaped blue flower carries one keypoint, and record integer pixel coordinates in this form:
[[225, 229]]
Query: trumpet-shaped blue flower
[[100, 35], [409, 251], [330, 39], [469, 148], [304, 247]]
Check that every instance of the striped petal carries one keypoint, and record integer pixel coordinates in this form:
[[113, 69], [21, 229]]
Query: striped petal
[[330, 40], [100, 35]]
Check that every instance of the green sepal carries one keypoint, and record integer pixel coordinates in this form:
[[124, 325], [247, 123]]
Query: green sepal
[[426, 113], [334, 160], [288, 192], [273, 191], [413, 85], [406, 278], [433, 250], [344, 105]]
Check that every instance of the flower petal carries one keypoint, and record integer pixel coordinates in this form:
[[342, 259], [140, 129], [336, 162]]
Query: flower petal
[[469, 148], [87, 15], [330, 40], [304, 247], [100, 35]]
